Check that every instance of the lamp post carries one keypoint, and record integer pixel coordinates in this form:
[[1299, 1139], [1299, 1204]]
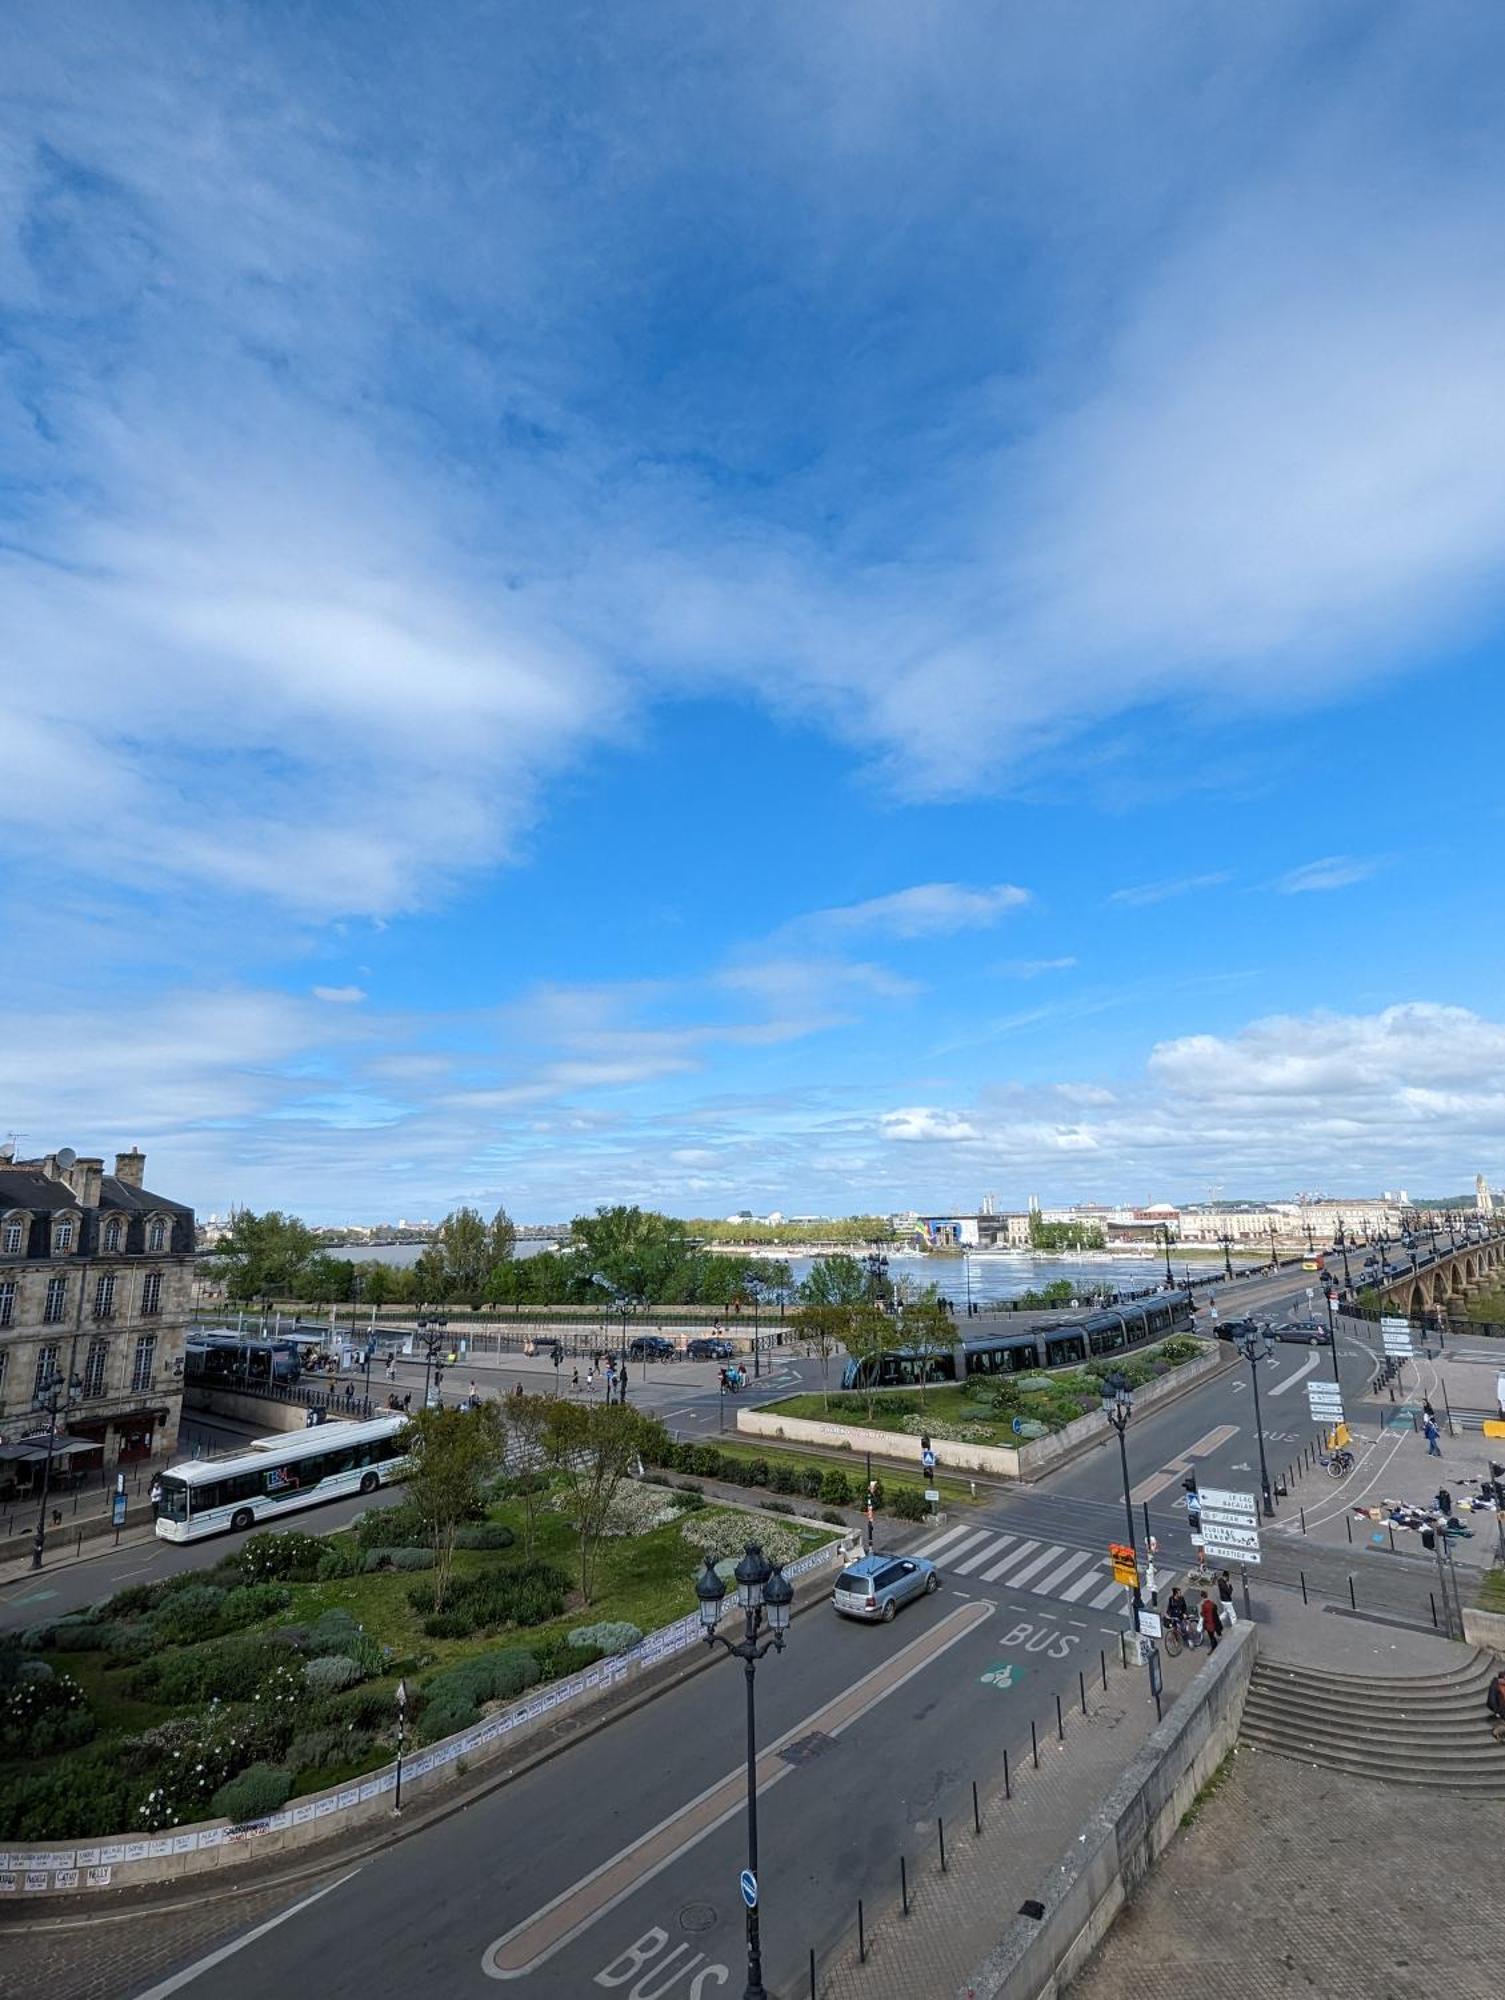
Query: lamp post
[[764, 1595], [1343, 1246], [1227, 1242], [1118, 1407], [431, 1340], [402, 1739], [55, 1394], [1257, 1346], [1170, 1278], [1274, 1260]]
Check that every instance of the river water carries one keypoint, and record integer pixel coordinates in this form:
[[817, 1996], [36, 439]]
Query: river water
[[989, 1276]]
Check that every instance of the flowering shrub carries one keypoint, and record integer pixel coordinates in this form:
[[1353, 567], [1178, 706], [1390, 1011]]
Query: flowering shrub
[[638, 1509], [725, 1536], [330, 1672], [259, 1790], [951, 1432], [288, 1557], [40, 1716], [609, 1637]]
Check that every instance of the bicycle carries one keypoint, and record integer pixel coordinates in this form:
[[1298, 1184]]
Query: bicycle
[[1177, 1633], [1338, 1464]]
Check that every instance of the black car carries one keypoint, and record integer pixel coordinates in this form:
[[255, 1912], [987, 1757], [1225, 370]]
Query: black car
[[706, 1347], [1303, 1332], [650, 1347], [1235, 1329]]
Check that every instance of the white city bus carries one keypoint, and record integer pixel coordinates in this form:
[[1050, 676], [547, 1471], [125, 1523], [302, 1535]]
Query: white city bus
[[274, 1476]]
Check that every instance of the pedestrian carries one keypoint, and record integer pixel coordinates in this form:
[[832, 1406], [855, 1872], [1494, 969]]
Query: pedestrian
[[1427, 1411], [575, 1381], [1212, 1624], [155, 1494], [407, 1402], [1225, 1599], [349, 1394], [1495, 1701], [590, 1376], [1431, 1433], [391, 1367]]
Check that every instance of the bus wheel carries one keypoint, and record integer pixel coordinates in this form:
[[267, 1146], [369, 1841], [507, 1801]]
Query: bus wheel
[[242, 1519], [369, 1482]]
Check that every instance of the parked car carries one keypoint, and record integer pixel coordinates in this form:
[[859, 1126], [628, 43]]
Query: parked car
[[875, 1587], [706, 1347], [1235, 1329], [1303, 1332], [650, 1347]]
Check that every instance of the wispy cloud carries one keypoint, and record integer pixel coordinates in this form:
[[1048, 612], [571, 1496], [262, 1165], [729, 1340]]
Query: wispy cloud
[[930, 909], [340, 996], [1334, 871], [1145, 893], [1032, 968]]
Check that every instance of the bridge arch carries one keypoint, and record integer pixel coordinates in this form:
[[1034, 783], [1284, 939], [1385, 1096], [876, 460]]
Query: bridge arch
[[1416, 1305]]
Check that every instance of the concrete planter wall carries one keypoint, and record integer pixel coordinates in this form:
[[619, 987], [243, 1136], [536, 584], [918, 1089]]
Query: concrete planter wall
[[1484, 1628], [127, 1859], [1022, 1461]]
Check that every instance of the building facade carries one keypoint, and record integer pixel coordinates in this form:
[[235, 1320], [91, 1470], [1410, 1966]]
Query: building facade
[[96, 1290]]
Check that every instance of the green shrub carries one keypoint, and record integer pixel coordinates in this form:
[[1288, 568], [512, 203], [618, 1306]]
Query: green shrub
[[1180, 1347], [400, 1527], [687, 1499], [835, 1487], [132, 1602], [907, 1505], [38, 1717], [783, 1478], [446, 1718], [83, 1635], [531, 1594], [811, 1481], [610, 1636], [73, 1800], [403, 1559], [830, 1514], [316, 1747], [778, 1506], [222, 1670], [260, 1789], [188, 1616], [286, 1557], [755, 1472], [330, 1672], [338, 1560], [485, 1535], [706, 1461], [333, 1631], [249, 1604]]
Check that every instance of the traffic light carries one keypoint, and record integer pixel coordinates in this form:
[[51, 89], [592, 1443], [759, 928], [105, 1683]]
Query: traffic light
[[1193, 1502]]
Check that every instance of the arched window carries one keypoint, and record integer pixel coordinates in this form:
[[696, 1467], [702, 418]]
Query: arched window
[[64, 1235], [114, 1235], [14, 1231], [156, 1234]]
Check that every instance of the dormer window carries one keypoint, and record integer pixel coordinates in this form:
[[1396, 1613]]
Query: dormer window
[[13, 1236], [156, 1234], [62, 1238], [113, 1230]]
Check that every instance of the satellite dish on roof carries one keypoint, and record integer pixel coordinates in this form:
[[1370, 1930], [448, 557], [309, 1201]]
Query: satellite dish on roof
[[66, 1157]]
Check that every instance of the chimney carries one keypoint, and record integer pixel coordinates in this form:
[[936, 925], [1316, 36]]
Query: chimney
[[130, 1167], [84, 1177]]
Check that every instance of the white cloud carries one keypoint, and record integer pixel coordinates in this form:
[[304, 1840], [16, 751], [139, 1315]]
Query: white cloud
[[1146, 893], [919, 1124], [340, 996], [930, 909], [1032, 968], [1334, 871]]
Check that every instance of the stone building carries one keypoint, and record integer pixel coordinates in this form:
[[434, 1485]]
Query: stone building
[[96, 1290]]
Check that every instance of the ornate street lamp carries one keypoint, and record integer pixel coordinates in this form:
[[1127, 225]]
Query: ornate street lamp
[[1258, 1345], [56, 1393], [764, 1596]]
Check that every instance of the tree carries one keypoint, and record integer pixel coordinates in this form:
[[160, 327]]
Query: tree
[[263, 1254], [925, 1330], [834, 1281], [463, 1247], [527, 1422], [376, 1283], [452, 1453], [503, 1238], [871, 1334], [631, 1253], [594, 1446], [825, 1328]]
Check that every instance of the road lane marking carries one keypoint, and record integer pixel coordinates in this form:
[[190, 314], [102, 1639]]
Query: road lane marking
[[191, 1972], [1291, 1380], [1082, 1585], [994, 1548], [977, 1535], [942, 1541], [538, 1937], [1033, 1568], [1178, 1469], [1050, 1585]]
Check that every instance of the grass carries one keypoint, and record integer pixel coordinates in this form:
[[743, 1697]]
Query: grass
[[955, 1490], [1492, 1591], [1208, 1792]]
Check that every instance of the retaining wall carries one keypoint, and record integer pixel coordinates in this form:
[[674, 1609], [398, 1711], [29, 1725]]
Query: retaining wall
[[1036, 1958], [128, 1859], [1030, 1460]]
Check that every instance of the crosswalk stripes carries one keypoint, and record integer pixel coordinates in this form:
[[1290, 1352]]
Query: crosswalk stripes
[[1044, 1569]]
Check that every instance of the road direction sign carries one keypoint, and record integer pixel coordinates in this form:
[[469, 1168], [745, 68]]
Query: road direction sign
[[1393, 1324], [1225, 1517], [747, 1882], [1223, 1537], [1233, 1503], [1149, 1624]]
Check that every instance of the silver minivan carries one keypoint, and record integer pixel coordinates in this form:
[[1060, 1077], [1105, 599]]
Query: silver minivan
[[876, 1586]]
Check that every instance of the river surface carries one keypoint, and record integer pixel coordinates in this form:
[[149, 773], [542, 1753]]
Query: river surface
[[987, 1276]]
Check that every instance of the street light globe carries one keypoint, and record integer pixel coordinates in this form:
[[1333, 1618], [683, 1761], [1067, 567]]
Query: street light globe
[[752, 1573], [711, 1592], [778, 1596]]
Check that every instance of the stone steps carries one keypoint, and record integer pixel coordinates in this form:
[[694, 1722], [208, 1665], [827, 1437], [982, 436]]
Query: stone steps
[[1431, 1730]]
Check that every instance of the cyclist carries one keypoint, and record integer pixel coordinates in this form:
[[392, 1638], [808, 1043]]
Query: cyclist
[[1177, 1614]]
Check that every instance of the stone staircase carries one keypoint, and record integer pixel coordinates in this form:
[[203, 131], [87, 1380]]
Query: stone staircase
[[1424, 1729]]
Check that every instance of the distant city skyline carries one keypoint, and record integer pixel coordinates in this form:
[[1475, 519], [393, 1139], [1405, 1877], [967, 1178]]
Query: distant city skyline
[[785, 607]]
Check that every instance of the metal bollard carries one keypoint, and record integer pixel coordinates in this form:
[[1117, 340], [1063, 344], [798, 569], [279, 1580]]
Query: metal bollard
[[78, 1543], [1352, 1600], [1060, 1721], [1007, 1788], [1304, 1598], [861, 1936], [976, 1811], [1348, 1523], [940, 1834], [1432, 1600], [1392, 1537], [903, 1886], [1081, 1681], [1034, 1744], [1103, 1656], [812, 1972], [1302, 1512]]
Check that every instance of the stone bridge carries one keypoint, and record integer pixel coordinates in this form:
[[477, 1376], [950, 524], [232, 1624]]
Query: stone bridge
[[1445, 1278]]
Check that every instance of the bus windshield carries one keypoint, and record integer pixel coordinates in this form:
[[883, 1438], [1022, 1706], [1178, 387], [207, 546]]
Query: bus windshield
[[173, 1504]]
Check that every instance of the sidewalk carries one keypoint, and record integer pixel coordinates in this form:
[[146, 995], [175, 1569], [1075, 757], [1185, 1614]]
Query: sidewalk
[[955, 1917]]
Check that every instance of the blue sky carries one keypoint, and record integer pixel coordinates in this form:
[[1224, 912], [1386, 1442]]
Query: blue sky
[[750, 606]]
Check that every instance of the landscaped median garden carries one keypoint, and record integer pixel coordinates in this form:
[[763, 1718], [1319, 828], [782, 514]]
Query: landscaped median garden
[[991, 1409], [272, 1671]]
